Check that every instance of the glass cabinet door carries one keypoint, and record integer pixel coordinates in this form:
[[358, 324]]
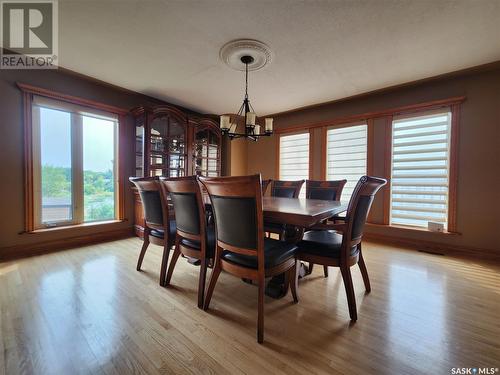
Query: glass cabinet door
[[139, 150], [168, 147], [158, 139], [207, 153], [177, 149]]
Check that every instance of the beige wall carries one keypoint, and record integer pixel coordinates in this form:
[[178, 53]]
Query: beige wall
[[238, 159], [478, 200], [12, 149]]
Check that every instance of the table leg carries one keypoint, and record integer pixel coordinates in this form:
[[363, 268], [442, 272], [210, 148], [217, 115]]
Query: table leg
[[277, 287]]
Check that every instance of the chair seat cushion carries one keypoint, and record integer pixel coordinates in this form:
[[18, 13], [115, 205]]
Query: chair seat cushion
[[325, 243], [195, 245], [172, 230], [275, 253]]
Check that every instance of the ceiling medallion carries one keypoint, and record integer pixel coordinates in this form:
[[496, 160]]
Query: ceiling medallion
[[232, 52]]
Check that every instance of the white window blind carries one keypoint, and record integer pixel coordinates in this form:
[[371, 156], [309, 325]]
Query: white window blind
[[420, 170], [294, 158], [346, 156]]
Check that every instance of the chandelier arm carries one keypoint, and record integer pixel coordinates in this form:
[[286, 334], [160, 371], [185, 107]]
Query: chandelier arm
[[240, 111], [251, 107]]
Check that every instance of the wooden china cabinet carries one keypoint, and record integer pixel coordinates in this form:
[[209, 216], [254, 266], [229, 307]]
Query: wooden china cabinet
[[170, 143]]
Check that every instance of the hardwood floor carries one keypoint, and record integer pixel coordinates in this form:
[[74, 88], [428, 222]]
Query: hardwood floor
[[89, 311]]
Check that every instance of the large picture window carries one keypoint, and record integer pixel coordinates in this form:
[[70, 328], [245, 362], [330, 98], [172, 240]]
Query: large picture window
[[74, 152], [420, 169]]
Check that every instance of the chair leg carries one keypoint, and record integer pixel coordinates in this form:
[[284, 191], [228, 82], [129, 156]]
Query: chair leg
[[260, 318], [164, 263], [325, 271], [364, 271], [286, 282], [143, 250], [294, 280], [211, 286], [201, 283], [173, 262], [349, 289], [310, 268]]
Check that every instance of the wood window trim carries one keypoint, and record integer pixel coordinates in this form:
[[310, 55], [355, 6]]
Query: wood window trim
[[454, 104], [28, 92], [369, 146], [455, 109], [424, 106], [277, 145], [387, 170]]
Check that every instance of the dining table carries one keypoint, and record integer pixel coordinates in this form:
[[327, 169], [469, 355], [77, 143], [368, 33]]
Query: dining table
[[297, 214]]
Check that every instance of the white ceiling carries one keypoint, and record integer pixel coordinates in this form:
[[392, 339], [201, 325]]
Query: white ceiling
[[323, 50]]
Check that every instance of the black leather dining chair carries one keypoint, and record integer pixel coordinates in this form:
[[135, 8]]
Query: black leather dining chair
[[286, 189], [265, 185], [339, 245], [159, 227], [195, 239], [282, 189], [324, 190], [241, 248]]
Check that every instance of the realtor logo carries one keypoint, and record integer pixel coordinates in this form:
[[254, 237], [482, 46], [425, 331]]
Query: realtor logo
[[28, 34]]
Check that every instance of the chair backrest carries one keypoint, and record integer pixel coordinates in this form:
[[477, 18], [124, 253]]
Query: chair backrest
[[153, 203], [286, 189], [265, 184], [188, 205], [358, 209], [326, 190], [237, 207]]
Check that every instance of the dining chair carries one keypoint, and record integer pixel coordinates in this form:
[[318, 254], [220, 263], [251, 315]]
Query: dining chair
[[241, 248], [325, 190], [282, 189], [265, 185], [286, 189], [195, 239], [159, 227], [339, 245]]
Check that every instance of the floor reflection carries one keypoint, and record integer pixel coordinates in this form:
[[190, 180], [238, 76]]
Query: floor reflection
[[416, 319]]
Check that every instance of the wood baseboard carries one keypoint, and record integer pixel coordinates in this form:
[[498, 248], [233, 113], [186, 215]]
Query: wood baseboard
[[435, 247], [27, 250]]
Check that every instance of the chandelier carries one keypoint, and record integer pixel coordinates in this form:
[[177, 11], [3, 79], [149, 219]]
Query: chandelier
[[253, 130]]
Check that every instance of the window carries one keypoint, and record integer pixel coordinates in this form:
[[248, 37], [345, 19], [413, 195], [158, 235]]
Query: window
[[420, 169], [346, 151], [74, 163], [294, 158]]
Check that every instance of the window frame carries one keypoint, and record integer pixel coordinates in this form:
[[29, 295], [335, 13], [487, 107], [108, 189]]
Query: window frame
[[453, 104], [369, 144], [278, 151], [415, 117], [30, 198]]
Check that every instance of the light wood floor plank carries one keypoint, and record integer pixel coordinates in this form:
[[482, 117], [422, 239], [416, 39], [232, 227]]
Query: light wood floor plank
[[87, 311]]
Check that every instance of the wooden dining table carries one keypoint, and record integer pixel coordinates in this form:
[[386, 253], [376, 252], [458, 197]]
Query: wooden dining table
[[297, 214]]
